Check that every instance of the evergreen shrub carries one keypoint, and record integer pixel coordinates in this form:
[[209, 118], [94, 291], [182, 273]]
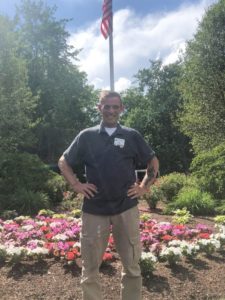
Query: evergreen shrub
[[194, 200], [209, 168]]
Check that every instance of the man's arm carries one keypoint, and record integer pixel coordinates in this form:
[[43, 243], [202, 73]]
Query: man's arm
[[151, 173], [152, 170], [87, 189]]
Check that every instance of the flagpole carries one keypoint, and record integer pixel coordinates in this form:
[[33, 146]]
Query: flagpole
[[111, 61], [107, 32]]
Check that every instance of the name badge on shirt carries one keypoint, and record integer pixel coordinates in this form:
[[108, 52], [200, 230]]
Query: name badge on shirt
[[119, 142]]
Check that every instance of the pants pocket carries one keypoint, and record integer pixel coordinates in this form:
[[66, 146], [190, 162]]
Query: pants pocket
[[136, 248]]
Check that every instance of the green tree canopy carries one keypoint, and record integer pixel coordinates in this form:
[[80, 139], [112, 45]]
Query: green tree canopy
[[16, 100], [64, 95], [203, 84], [152, 109]]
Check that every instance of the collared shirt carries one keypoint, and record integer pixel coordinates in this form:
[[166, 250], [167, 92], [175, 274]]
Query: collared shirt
[[110, 163]]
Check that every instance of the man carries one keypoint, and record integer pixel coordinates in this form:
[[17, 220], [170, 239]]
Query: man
[[110, 153]]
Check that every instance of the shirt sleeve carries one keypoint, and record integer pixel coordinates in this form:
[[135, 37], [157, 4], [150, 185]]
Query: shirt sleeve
[[74, 153], [144, 152]]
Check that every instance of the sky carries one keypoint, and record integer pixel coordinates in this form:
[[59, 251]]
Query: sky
[[144, 30]]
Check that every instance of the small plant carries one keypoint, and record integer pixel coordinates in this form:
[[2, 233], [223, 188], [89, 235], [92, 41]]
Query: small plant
[[182, 216], [154, 196], [171, 254], [219, 220], [209, 246], [76, 213], [46, 213], [147, 263], [145, 217]]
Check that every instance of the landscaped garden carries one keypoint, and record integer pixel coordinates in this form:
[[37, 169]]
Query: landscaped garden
[[176, 257]]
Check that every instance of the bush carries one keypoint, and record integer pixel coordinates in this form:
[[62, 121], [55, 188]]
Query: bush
[[195, 201], [154, 196], [25, 175], [220, 209], [27, 202], [209, 168], [171, 184]]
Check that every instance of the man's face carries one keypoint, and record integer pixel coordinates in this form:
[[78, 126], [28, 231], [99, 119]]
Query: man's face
[[110, 109]]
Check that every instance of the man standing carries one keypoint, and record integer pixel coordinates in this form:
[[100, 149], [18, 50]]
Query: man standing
[[110, 153]]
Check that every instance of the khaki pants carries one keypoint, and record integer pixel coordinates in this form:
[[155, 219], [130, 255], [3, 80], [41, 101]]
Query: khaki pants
[[94, 239]]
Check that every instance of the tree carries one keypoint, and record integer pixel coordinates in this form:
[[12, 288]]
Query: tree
[[16, 101], [64, 95], [203, 84], [152, 109]]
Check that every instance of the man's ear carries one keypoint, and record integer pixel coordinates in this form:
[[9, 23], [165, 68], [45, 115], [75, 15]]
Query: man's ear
[[99, 107], [122, 109]]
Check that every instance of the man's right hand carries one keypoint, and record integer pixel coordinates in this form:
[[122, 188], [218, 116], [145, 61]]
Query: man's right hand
[[86, 189]]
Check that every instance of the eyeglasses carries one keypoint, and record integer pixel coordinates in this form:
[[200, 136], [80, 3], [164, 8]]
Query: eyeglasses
[[114, 107]]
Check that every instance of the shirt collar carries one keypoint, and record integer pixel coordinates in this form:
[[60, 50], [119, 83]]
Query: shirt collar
[[118, 128]]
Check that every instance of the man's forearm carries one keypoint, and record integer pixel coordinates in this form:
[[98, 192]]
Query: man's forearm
[[151, 173], [67, 172]]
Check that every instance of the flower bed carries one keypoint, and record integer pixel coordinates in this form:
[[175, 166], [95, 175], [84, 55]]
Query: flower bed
[[58, 236]]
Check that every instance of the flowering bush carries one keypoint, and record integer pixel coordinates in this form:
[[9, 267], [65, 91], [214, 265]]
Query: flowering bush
[[58, 235], [147, 263], [170, 254]]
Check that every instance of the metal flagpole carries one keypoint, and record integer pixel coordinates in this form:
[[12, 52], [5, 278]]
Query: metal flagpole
[[111, 60], [107, 31]]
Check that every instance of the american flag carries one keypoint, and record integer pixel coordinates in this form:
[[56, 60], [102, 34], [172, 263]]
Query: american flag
[[106, 24]]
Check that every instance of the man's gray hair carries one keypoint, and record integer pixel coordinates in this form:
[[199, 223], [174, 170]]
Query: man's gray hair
[[105, 94]]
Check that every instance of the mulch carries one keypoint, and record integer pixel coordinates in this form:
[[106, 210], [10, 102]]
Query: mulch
[[202, 278]]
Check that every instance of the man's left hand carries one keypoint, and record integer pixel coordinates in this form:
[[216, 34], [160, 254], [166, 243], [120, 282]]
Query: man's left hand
[[137, 190]]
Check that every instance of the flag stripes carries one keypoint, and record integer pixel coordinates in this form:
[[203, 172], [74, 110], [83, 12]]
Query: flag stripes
[[106, 24]]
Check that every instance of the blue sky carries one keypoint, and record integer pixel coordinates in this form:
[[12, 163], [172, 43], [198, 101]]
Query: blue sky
[[143, 30]]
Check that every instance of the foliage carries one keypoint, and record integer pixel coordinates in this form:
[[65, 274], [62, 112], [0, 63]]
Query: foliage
[[145, 217], [196, 201], [220, 209], [76, 213], [181, 216], [148, 264], [203, 82], [151, 109], [208, 166], [16, 100], [171, 184], [23, 174], [71, 201], [153, 196], [28, 202], [220, 219], [65, 99]]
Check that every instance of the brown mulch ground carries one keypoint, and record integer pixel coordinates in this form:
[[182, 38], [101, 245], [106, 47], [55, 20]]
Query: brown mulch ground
[[202, 278]]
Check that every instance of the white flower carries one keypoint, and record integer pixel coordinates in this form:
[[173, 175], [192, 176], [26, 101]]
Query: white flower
[[168, 251], [9, 222], [77, 244], [148, 256], [55, 224], [27, 227], [60, 237], [41, 223], [15, 251], [37, 251]]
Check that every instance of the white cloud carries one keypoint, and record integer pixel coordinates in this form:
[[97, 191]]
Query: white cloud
[[136, 41]]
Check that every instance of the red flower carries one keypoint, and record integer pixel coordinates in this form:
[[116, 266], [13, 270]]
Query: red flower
[[167, 237], [44, 228], [107, 256], [70, 255], [49, 236], [204, 235]]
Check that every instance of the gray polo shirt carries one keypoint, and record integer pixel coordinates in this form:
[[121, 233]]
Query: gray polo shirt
[[110, 163]]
